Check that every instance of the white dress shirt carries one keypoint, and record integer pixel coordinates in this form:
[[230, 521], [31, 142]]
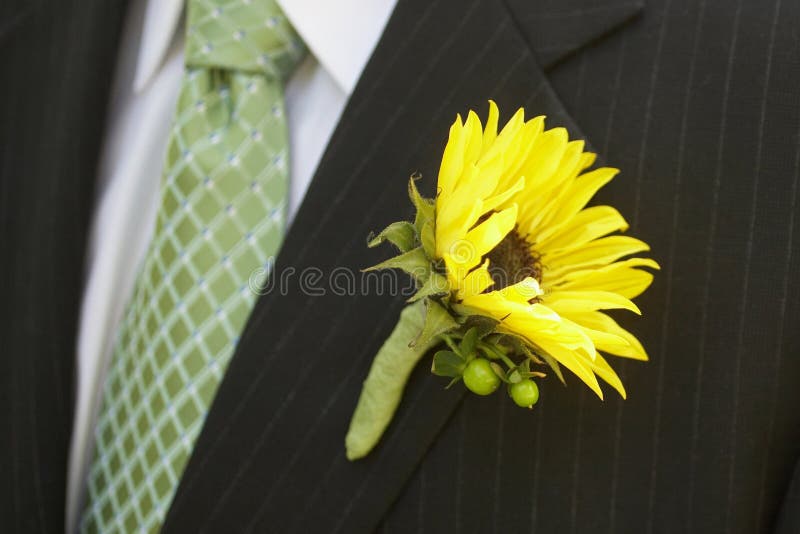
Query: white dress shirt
[[340, 36]]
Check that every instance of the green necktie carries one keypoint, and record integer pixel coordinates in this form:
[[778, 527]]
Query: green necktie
[[221, 220]]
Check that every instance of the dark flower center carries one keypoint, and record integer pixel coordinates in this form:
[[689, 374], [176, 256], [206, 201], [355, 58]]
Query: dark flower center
[[512, 261]]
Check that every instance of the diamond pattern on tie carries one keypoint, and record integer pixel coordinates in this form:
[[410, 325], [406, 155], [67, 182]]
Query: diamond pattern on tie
[[221, 219]]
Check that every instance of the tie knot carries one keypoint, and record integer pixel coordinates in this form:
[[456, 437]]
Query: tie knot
[[244, 35]]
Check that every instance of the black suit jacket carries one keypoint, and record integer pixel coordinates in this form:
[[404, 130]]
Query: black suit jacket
[[695, 100]]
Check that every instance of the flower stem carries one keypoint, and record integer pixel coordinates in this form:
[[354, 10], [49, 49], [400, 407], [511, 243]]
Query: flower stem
[[495, 353], [387, 378]]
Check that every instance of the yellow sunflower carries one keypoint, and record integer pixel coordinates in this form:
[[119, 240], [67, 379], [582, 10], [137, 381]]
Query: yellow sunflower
[[519, 244]]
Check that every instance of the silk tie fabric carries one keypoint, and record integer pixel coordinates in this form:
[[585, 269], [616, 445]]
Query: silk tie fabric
[[220, 222]]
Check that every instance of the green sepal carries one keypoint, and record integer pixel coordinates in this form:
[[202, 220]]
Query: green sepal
[[451, 343], [484, 325], [428, 238], [491, 349], [468, 343], [414, 262], [453, 382], [435, 285], [438, 321], [550, 361], [448, 363], [425, 207], [520, 346], [401, 234], [525, 370], [499, 371]]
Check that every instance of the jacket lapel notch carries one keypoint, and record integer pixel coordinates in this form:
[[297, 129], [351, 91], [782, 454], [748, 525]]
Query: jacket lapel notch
[[557, 29]]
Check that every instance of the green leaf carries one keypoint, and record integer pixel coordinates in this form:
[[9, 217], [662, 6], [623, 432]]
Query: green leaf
[[383, 388], [438, 321], [414, 262], [401, 234], [447, 363], [436, 284]]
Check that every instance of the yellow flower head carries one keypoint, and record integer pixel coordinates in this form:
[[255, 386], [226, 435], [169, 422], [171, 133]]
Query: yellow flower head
[[519, 244]]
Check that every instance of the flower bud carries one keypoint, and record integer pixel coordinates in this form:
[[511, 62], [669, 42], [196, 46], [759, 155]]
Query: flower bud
[[480, 378]]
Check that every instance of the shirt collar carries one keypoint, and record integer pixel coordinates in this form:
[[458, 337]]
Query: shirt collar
[[341, 34], [158, 29]]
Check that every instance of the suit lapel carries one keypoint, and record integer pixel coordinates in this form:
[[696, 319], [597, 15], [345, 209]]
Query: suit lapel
[[271, 454]]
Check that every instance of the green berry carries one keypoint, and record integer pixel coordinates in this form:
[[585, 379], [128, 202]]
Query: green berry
[[480, 378], [525, 393]]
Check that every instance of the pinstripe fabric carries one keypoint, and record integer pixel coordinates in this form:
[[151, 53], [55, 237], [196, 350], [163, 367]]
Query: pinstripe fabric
[[697, 103], [52, 108]]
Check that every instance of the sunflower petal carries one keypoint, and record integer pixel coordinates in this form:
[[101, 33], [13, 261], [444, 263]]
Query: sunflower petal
[[587, 160], [456, 269], [490, 232], [544, 159], [500, 199], [566, 302], [570, 164], [474, 140], [599, 337], [512, 127], [517, 313], [611, 343], [578, 194], [490, 131], [452, 225], [522, 292], [575, 363], [599, 321], [550, 327], [453, 158], [595, 254], [587, 225], [516, 153], [629, 263], [603, 370], [476, 282], [616, 278]]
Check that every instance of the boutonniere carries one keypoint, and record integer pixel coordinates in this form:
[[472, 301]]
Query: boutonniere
[[513, 273]]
